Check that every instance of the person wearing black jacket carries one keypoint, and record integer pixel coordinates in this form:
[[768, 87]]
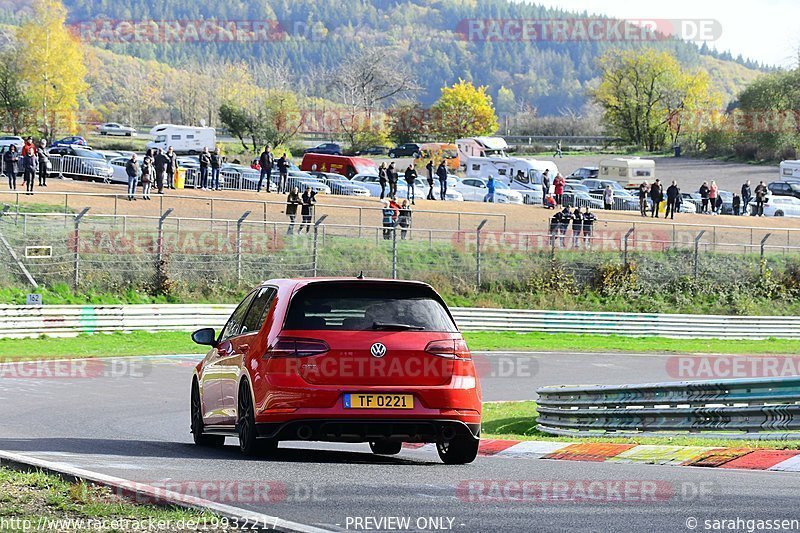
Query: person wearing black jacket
[[216, 165], [160, 162], [411, 179], [441, 172], [132, 170], [391, 177], [172, 167], [555, 224], [429, 168], [656, 197], [283, 173], [44, 162], [747, 195], [704, 191], [292, 201], [566, 218], [761, 195], [545, 186], [205, 162], [10, 159], [309, 198], [589, 219], [147, 174], [266, 161], [577, 227], [382, 179], [673, 194], [644, 192]]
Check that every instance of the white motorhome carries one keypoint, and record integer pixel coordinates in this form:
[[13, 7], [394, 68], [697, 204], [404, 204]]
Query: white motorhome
[[790, 169], [481, 147], [183, 139], [630, 172], [522, 175]]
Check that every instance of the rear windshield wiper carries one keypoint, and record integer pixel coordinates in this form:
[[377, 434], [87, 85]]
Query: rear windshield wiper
[[380, 326]]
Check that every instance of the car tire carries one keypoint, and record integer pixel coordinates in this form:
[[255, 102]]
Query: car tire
[[385, 447], [459, 451], [200, 438], [778, 213], [249, 443], [392, 155]]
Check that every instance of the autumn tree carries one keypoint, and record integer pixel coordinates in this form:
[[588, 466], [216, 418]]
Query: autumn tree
[[464, 110], [53, 66], [274, 119], [14, 102]]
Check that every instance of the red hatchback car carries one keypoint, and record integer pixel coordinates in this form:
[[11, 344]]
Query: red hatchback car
[[341, 360]]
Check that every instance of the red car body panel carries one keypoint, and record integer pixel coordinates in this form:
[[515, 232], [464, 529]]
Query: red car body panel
[[297, 389]]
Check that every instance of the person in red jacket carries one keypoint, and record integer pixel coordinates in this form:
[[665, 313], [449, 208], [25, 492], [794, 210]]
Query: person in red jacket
[[558, 188]]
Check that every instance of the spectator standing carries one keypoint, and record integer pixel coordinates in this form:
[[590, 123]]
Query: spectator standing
[[205, 162], [555, 225], [490, 188], [308, 199], [44, 163], [558, 153], [566, 218], [382, 179], [737, 204], [147, 174], [656, 197], [558, 188], [589, 219], [266, 161], [292, 201], [404, 218], [29, 160], [429, 168], [389, 215], [673, 195], [577, 227], [411, 178], [761, 196], [545, 186], [216, 164], [391, 177], [704, 190], [160, 162], [283, 174], [172, 168], [608, 198], [10, 160], [644, 192], [713, 194], [441, 173], [132, 170], [747, 195]]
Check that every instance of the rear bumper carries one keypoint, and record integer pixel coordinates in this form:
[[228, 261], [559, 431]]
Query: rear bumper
[[366, 430]]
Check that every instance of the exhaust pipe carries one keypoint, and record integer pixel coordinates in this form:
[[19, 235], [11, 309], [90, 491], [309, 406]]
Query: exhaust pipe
[[304, 432], [448, 433]]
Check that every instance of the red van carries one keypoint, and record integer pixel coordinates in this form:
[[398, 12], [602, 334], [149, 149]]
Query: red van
[[338, 164]]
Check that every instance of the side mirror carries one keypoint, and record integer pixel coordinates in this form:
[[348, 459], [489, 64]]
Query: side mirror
[[205, 337]]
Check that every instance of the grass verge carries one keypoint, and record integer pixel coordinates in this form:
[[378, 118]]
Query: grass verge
[[517, 421], [172, 342], [37, 498]]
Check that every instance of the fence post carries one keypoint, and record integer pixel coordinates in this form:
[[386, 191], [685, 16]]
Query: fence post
[[360, 220], [239, 247], [697, 250], [66, 207], [625, 246], [763, 245], [77, 241], [478, 253], [316, 231], [394, 251], [160, 242]]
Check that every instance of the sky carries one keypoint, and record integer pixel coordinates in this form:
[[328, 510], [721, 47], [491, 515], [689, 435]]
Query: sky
[[764, 30]]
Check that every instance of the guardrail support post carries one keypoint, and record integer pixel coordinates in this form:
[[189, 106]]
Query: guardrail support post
[[160, 242], [763, 245], [697, 250], [77, 241], [478, 253], [625, 246], [315, 257], [239, 247]]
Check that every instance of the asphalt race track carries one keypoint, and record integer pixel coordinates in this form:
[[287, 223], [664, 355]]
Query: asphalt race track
[[135, 425]]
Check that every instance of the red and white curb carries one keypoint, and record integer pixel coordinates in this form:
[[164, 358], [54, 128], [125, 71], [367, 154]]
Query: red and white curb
[[600, 452]]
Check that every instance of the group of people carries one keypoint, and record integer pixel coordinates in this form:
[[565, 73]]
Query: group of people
[[655, 193], [760, 198], [388, 178], [396, 215], [265, 163], [306, 203], [157, 166], [31, 162], [582, 227]]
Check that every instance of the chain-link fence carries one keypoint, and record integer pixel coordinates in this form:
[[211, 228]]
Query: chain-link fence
[[168, 254]]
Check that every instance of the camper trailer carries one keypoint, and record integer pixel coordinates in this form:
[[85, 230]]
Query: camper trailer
[[630, 172], [481, 147], [522, 175], [183, 139], [790, 170]]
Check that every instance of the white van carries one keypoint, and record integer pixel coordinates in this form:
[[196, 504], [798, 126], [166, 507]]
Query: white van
[[521, 175], [481, 147], [790, 169], [183, 139], [630, 172]]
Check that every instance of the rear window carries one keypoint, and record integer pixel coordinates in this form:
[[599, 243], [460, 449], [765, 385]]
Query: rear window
[[389, 307]]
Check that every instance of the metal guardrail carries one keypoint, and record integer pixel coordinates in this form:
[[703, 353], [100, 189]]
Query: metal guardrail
[[756, 409], [65, 320]]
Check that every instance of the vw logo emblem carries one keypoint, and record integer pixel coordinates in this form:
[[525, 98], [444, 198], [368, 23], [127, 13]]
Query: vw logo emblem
[[378, 350]]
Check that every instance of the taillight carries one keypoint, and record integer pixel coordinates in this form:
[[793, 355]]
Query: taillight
[[451, 349], [284, 347]]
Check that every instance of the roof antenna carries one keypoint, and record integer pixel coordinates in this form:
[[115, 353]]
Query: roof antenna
[[361, 275]]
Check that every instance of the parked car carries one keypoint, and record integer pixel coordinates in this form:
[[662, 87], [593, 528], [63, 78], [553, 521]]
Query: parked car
[[785, 188], [779, 206], [237, 177], [110, 154], [623, 199], [301, 180], [405, 150], [113, 128], [421, 191], [474, 190], [70, 141], [8, 140], [306, 359], [374, 150], [325, 148], [345, 165], [78, 162], [119, 174], [338, 184], [372, 184], [577, 195], [585, 173]]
